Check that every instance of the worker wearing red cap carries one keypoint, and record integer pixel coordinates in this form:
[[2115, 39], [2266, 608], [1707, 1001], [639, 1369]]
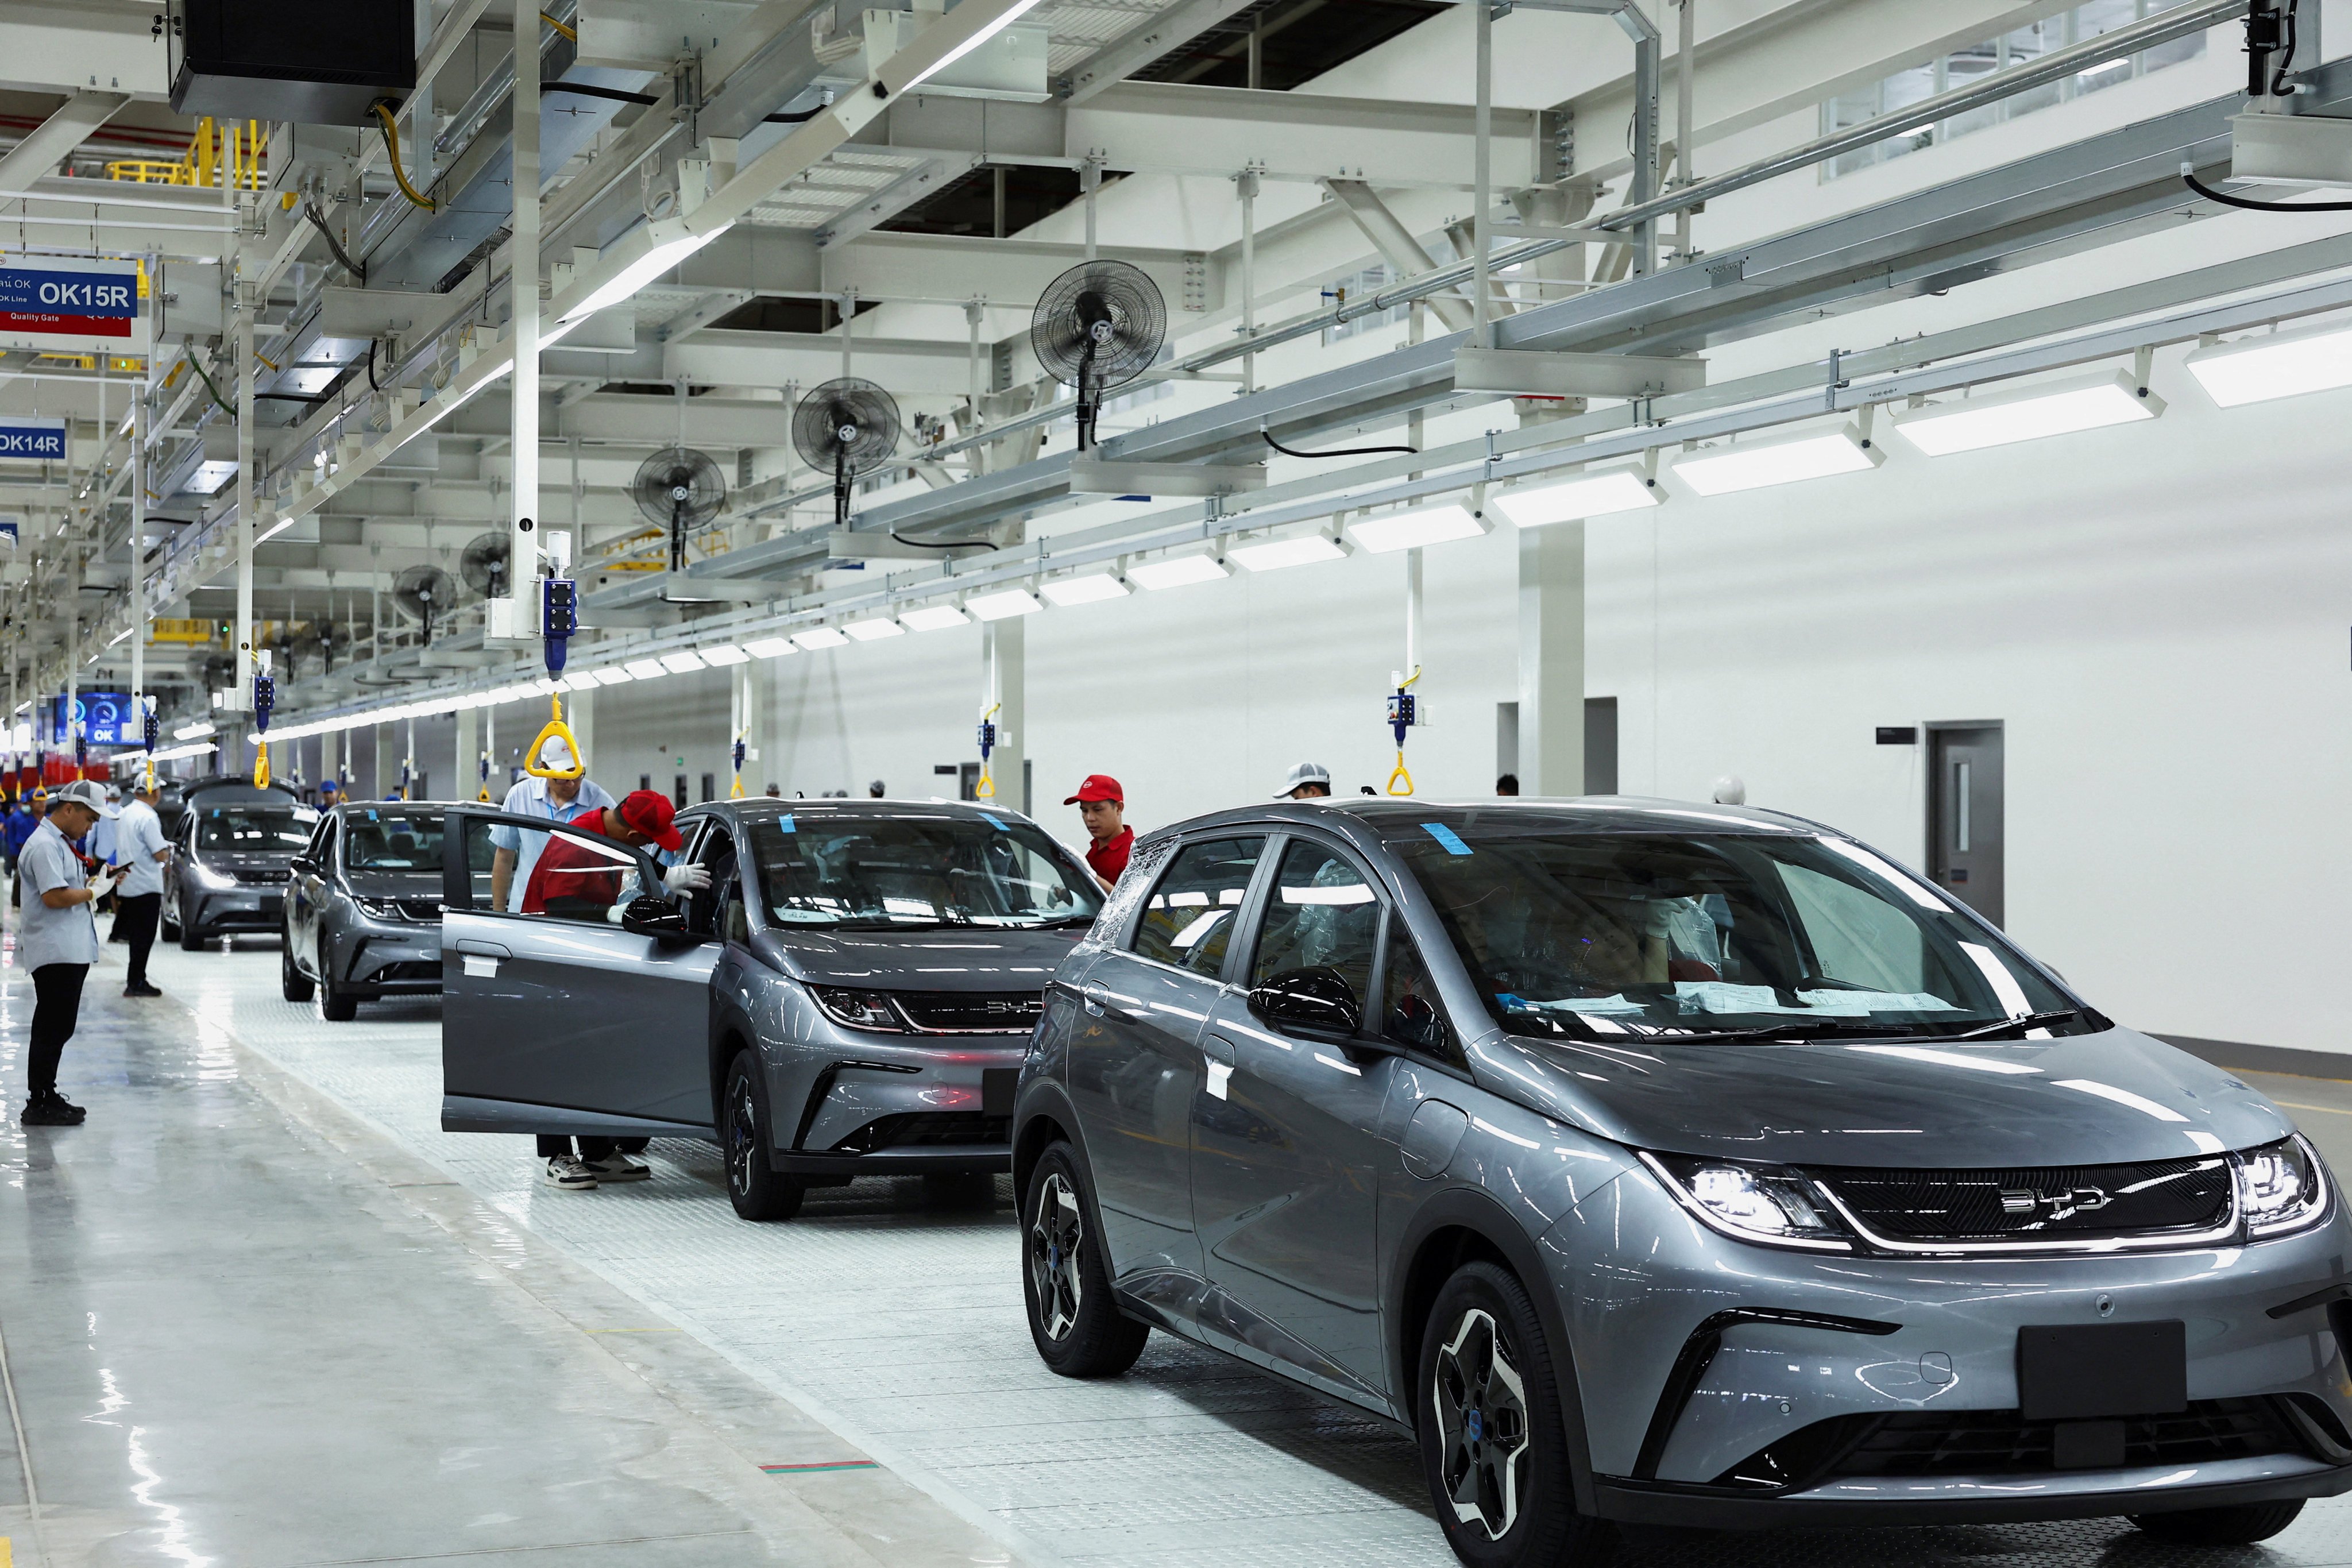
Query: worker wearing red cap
[[1102, 806], [572, 879]]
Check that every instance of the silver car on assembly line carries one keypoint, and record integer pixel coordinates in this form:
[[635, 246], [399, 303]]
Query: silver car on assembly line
[[851, 996], [1675, 1164]]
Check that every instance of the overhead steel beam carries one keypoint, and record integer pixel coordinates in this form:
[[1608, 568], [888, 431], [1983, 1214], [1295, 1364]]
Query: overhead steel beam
[[950, 266], [1169, 128], [60, 46], [1145, 42], [43, 147], [804, 359], [1396, 244]]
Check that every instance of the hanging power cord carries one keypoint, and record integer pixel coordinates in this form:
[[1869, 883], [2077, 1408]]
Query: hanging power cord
[[319, 222], [942, 545], [2227, 200], [392, 151], [1337, 452], [571, 32], [803, 118], [199, 369], [372, 385], [588, 89]]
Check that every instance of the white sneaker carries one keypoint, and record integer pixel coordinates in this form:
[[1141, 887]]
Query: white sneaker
[[620, 1167], [571, 1174]]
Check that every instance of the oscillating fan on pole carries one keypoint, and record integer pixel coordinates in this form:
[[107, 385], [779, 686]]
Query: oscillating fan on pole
[[425, 595], [849, 427], [1098, 326], [681, 490], [483, 564]]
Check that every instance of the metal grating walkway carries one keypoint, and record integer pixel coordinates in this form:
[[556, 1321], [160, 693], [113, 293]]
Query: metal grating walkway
[[900, 1325]]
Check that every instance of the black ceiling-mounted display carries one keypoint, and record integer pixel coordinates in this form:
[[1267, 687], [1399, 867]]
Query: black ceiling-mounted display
[[283, 60]]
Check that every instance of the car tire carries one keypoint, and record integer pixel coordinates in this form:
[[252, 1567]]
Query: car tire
[[168, 917], [292, 984], [1074, 1321], [1494, 1442], [2239, 1526], [338, 1005], [757, 1189], [192, 938]]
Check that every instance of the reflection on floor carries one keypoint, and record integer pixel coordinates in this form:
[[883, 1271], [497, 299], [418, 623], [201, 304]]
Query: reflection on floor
[[896, 1324]]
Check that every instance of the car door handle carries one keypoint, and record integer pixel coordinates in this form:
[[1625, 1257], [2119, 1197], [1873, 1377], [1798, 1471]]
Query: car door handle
[[482, 949], [1217, 1067], [1094, 996]]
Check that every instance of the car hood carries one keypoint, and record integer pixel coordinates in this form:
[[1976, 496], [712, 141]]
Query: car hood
[[394, 884], [2113, 1098], [953, 959], [245, 859]]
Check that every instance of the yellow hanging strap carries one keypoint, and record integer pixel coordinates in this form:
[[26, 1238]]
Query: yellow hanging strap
[[735, 790], [484, 792], [986, 788], [261, 766], [1398, 772], [556, 729]]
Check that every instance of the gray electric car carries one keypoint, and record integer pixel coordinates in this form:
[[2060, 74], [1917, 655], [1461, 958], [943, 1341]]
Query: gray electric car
[[363, 909], [852, 996], [1675, 1164], [232, 854]]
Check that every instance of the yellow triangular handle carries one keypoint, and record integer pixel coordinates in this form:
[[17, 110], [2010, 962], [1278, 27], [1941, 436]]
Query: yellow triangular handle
[[556, 729], [261, 766], [1400, 773]]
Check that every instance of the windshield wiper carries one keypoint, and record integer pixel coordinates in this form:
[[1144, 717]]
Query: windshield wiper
[[1794, 1028], [2001, 1025]]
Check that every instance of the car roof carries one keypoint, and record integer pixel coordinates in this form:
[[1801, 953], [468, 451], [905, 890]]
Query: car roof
[[1377, 816], [756, 808]]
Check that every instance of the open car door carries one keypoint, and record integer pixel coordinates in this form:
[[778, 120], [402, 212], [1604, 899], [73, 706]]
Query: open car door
[[555, 1017]]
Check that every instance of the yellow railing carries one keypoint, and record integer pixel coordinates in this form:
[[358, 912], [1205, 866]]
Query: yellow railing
[[203, 162]]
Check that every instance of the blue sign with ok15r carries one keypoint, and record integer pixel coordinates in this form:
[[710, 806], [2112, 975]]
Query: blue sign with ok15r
[[33, 440]]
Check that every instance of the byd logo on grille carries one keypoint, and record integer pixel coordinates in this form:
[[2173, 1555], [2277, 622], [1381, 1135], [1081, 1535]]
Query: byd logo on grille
[[2030, 1200]]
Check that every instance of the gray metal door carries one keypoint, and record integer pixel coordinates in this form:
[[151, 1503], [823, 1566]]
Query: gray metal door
[[1964, 815], [560, 1021]]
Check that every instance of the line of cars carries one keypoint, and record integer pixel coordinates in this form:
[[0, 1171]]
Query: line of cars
[[1645, 1162]]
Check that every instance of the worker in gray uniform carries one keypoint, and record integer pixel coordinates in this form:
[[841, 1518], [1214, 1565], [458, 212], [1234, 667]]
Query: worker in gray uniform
[[57, 939]]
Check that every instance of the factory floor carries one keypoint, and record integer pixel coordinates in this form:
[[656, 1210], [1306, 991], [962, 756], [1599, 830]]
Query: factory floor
[[261, 1313]]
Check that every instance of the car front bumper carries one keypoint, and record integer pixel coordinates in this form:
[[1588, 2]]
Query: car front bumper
[[380, 958], [1717, 1384], [236, 909], [904, 1107]]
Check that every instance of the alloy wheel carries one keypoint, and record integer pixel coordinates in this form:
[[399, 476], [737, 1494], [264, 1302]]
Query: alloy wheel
[[742, 1137], [1055, 1237], [1481, 1405]]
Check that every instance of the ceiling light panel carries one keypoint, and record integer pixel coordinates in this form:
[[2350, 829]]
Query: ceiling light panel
[[1002, 605], [1585, 495], [1412, 530], [1755, 465], [723, 654], [1275, 554], [2028, 414], [1091, 589], [646, 668], [770, 648], [1178, 571], [816, 637], [2282, 365], [875, 629], [610, 676], [933, 618], [680, 661]]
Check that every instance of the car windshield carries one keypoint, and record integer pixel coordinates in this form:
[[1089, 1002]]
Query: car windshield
[[254, 828], [1599, 936], [916, 870], [377, 840]]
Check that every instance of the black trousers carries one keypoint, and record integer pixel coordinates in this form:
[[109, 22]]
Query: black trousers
[[57, 990], [555, 1148], [135, 917]]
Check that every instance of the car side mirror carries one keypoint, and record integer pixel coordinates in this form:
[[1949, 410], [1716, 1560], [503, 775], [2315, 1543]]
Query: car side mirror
[[1315, 1001], [657, 917], [303, 866]]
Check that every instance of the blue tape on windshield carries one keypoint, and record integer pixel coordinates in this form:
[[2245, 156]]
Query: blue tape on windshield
[[784, 824], [997, 823], [1447, 837]]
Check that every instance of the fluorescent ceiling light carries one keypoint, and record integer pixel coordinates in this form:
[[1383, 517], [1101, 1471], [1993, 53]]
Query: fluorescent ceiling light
[[1585, 495], [2027, 414], [1754, 465], [1091, 589], [1002, 604], [610, 676], [816, 637], [875, 629], [580, 681], [1012, 14], [646, 668], [1179, 571], [539, 683], [681, 661], [723, 654], [1412, 529], [770, 648], [2255, 370], [639, 257], [195, 730], [1275, 554], [933, 618]]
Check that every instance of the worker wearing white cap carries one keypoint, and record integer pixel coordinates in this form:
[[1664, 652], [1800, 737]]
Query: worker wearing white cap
[[1307, 781], [558, 800], [57, 939]]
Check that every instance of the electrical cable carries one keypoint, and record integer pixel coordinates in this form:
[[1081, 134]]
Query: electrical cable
[[571, 32], [942, 545], [588, 89], [392, 151], [2287, 41], [319, 222], [1337, 452], [803, 118], [199, 369], [2227, 200], [372, 385]]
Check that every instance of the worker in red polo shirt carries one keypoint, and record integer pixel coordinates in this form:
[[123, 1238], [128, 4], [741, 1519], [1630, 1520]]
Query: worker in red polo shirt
[[570, 878], [1102, 806]]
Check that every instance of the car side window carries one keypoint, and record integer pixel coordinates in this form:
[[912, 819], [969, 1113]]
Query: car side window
[[560, 873], [1188, 920], [1321, 914], [715, 851], [1409, 1011]]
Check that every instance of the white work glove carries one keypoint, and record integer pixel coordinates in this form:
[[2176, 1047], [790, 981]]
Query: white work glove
[[103, 883], [686, 878]]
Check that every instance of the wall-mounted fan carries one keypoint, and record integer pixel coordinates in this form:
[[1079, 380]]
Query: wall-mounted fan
[[681, 490], [425, 595], [1098, 326], [483, 564], [849, 427]]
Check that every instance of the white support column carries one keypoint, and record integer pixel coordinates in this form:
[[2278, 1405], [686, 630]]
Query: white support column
[[522, 555], [1482, 178], [496, 781], [1245, 182], [138, 555], [1552, 660], [1090, 182], [580, 713], [466, 756], [1004, 655], [244, 632]]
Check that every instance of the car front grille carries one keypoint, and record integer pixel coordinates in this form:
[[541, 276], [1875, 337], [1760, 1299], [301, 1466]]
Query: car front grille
[[971, 1011], [426, 910], [927, 1130], [257, 877], [1927, 1444], [2052, 1202]]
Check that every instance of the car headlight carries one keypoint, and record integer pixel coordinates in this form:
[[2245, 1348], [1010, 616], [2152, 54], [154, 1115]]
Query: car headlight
[[208, 877], [375, 908], [1769, 1204], [2282, 1187], [859, 1009]]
